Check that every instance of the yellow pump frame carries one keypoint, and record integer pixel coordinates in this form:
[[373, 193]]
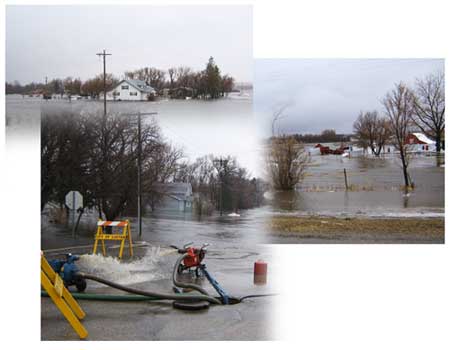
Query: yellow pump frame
[[61, 297]]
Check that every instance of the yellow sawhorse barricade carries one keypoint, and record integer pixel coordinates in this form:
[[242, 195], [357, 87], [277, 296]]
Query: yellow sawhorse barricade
[[102, 236], [61, 297]]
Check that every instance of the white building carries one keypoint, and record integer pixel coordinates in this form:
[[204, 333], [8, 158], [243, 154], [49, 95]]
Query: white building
[[131, 90], [357, 151], [420, 143], [415, 143]]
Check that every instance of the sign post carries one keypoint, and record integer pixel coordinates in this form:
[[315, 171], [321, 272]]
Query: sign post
[[74, 200]]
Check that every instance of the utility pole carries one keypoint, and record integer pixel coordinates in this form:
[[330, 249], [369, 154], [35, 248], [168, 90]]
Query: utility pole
[[139, 167], [222, 164], [45, 93], [104, 54], [221, 190], [139, 175]]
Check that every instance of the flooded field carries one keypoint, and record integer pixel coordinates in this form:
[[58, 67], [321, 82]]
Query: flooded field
[[375, 188], [22, 117], [222, 127], [374, 208]]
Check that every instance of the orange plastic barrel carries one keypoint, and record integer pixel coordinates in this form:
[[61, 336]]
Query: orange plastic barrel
[[260, 272]]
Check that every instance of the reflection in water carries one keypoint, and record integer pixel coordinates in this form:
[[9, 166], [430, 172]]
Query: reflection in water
[[406, 199], [440, 160]]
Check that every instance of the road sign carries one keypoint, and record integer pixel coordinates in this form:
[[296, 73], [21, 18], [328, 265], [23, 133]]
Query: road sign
[[74, 200]]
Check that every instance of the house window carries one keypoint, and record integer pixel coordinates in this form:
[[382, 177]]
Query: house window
[[124, 87], [133, 93], [116, 93]]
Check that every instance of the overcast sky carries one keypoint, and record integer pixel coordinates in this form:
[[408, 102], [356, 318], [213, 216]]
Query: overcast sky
[[61, 41], [323, 94]]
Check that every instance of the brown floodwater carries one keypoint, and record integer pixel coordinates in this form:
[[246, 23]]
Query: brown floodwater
[[374, 188]]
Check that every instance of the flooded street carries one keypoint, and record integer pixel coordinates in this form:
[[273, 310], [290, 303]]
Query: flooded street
[[235, 244], [223, 127]]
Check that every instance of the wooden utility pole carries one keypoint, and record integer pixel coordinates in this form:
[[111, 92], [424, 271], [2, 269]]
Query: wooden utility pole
[[104, 54], [222, 166], [139, 167], [45, 93]]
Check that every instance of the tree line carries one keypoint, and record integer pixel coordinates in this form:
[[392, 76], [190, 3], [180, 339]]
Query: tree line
[[328, 135], [208, 83], [97, 155], [223, 183]]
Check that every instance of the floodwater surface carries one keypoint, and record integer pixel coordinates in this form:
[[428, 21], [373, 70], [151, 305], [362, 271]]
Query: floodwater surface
[[374, 188], [223, 127]]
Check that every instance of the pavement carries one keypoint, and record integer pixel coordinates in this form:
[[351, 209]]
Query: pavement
[[230, 258]]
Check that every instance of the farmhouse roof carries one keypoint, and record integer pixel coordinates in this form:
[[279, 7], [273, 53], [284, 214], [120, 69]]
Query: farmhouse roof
[[423, 138], [138, 84]]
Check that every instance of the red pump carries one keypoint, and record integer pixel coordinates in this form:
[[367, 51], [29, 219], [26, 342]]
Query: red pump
[[193, 259]]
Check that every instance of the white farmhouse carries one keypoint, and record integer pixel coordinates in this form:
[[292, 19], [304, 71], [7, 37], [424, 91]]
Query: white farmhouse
[[131, 90]]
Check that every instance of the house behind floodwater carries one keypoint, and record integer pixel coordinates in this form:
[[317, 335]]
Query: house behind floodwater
[[131, 90], [176, 199]]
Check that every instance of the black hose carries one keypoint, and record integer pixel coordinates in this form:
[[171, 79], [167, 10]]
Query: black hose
[[183, 297], [182, 284], [256, 296], [211, 299]]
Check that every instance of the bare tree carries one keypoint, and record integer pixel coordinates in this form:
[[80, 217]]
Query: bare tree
[[429, 107], [154, 77], [286, 161], [399, 107], [276, 116], [183, 76], [286, 157], [171, 71], [372, 131]]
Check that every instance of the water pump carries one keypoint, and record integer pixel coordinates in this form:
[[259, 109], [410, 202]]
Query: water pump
[[68, 271]]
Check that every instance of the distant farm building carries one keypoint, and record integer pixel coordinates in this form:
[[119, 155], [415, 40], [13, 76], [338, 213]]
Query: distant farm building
[[131, 90], [325, 150], [418, 142], [415, 142]]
